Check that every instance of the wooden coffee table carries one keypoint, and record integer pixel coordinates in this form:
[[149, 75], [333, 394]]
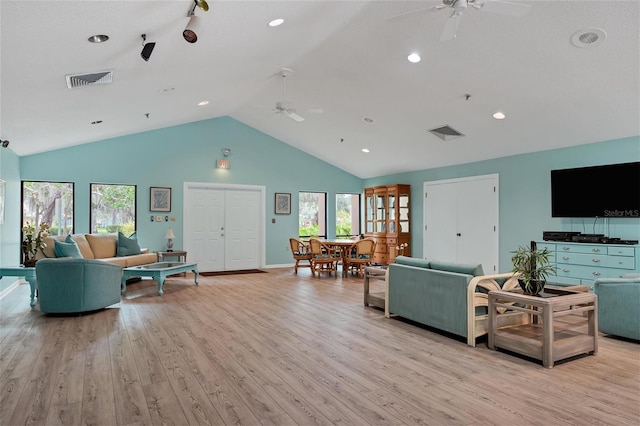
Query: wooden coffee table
[[159, 272], [542, 338]]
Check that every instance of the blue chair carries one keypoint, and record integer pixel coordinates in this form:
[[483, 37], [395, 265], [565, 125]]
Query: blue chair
[[68, 285], [619, 306]]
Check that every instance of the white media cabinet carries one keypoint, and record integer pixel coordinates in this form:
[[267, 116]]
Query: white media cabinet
[[583, 263]]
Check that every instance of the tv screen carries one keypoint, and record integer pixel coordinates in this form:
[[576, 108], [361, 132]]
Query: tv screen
[[600, 191]]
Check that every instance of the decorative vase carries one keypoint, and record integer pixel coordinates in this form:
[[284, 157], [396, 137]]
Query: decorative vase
[[29, 263], [535, 287]]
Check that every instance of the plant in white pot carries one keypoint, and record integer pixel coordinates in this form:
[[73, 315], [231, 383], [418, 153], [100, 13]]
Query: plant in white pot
[[532, 266]]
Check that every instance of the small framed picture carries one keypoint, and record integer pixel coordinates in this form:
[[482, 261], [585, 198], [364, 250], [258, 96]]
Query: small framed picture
[[283, 203], [160, 199]]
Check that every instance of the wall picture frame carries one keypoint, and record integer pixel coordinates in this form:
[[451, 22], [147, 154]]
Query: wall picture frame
[[282, 203], [160, 199]]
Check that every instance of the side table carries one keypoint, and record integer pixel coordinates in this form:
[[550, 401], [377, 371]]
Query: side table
[[180, 254], [29, 274], [541, 338], [377, 299]]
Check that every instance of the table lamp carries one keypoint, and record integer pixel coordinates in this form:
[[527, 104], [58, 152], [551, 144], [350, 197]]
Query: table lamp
[[169, 236]]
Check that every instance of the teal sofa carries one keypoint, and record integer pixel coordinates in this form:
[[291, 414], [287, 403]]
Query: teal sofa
[[67, 285], [448, 296], [619, 306]]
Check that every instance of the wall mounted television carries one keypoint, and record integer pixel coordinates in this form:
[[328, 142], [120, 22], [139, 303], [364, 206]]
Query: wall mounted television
[[600, 191]]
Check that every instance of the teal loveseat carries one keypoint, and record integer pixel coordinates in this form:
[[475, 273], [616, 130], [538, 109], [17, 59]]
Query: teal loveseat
[[67, 285], [448, 296], [619, 306]]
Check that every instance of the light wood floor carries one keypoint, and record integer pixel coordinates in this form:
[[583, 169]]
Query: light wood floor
[[279, 349]]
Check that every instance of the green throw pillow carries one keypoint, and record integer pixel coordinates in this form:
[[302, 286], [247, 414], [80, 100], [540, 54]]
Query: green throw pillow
[[68, 248], [127, 246]]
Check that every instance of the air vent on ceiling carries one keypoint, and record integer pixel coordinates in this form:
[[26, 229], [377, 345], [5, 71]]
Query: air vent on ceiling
[[446, 132], [90, 79]]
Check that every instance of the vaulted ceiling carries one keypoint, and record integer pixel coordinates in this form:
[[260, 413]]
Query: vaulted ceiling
[[352, 81]]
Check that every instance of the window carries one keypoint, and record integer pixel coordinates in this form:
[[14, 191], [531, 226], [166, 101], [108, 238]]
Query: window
[[48, 202], [113, 208], [312, 211], [347, 215]]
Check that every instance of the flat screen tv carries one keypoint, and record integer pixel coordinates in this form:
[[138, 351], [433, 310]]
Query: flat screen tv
[[600, 191]]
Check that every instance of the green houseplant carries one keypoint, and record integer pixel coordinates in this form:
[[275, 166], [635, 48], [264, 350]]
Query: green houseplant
[[532, 266]]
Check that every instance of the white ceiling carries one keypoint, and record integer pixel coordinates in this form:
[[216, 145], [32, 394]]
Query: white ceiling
[[349, 61]]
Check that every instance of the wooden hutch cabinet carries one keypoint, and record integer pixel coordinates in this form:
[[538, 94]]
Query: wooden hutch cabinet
[[387, 221]]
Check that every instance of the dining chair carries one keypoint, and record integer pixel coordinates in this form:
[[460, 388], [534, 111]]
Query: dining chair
[[301, 252], [324, 258], [359, 255]]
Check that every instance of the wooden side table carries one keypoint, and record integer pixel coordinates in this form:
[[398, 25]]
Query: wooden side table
[[180, 254], [541, 339], [377, 299]]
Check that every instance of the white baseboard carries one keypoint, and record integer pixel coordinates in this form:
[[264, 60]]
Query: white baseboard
[[288, 265]]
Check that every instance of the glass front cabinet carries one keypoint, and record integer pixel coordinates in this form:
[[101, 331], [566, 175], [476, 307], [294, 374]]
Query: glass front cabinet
[[387, 220]]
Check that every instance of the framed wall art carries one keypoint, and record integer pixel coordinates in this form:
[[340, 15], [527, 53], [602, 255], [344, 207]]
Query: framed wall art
[[283, 203], [160, 199]]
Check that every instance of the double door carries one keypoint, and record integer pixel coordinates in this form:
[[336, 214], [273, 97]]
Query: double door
[[223, 227], [461, 221]]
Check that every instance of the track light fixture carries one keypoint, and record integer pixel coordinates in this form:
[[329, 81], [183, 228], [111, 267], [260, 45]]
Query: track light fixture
[[5, 144], [146, 48], [190, 32]]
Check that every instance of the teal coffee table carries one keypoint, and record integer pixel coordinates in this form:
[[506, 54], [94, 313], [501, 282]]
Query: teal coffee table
[[159, 272], [29, 274]]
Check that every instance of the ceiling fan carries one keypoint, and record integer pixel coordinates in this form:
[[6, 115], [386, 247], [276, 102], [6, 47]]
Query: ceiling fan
[[286, 107], [459, 6]]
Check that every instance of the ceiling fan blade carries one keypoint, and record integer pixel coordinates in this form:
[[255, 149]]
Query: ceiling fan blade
[[451, 27], [294, 116], [504, 7], [415, 13]]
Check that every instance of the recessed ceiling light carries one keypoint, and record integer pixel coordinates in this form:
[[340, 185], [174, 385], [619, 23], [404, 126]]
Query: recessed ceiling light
[[98, 38], [367, 120], [276, 22], [588, 37], [499, 115], [203, 103], [365, 150], [414, 58]]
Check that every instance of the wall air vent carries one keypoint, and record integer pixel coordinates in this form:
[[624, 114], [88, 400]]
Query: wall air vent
[[91, 79], [446, 133]]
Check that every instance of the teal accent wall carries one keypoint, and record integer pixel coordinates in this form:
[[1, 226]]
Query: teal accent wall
[[187, 153], [525, 193], [10, 229]]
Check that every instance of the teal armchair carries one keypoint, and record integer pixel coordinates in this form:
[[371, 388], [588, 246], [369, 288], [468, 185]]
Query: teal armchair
[[67, 285], [619, 306]]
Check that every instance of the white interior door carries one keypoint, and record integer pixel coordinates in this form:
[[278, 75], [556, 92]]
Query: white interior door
[[461, 219], [223, 226]]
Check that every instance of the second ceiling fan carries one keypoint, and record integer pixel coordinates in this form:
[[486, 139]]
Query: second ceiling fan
[[459, 6]]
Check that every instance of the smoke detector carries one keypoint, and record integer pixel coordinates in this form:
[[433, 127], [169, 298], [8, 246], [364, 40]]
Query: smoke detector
[[90, 79], [446, 132]]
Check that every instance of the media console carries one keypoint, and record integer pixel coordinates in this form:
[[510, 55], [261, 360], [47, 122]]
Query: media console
[[582, 263]]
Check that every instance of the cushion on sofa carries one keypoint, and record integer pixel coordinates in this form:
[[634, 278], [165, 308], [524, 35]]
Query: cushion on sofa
[[103, 245], [460, 268], [127, 246], [413, 261], [68, 248]]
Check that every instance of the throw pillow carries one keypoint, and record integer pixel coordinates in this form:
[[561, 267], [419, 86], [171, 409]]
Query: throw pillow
[[127, 246], [68, 248]]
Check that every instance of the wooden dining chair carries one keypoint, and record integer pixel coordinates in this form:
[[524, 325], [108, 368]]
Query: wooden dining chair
[[301, 253], [359, 255], [324, 258]]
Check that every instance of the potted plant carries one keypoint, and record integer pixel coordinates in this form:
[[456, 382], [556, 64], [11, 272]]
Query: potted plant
[[532, 266], [32, 242]]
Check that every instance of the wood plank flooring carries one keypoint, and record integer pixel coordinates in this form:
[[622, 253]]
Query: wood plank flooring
[[277, 348]]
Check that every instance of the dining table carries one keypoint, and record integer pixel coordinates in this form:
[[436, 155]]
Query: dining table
[[343, 245]]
